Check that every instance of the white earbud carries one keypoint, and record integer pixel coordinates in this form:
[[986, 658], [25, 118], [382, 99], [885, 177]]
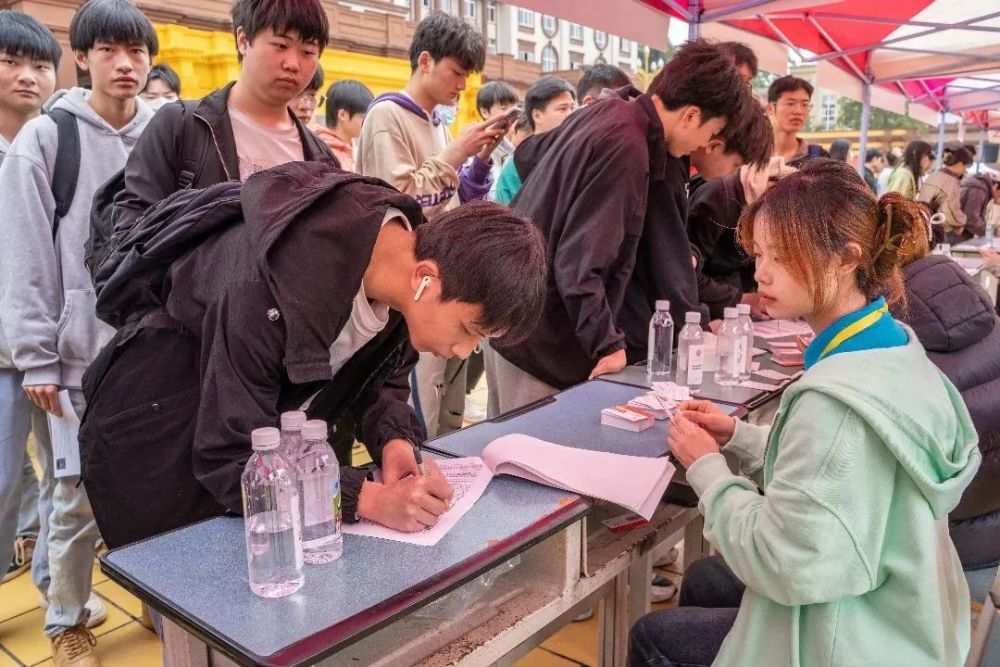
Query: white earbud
[[423, 285]]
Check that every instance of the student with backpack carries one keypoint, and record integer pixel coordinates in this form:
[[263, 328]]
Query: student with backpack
[[307, 287], [50, 175], [29, 57], [405, 143], [235, 131]]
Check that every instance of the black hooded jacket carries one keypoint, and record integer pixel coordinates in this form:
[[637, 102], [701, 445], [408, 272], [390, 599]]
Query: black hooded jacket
[[255, 284], [958, 326], [593, 186]]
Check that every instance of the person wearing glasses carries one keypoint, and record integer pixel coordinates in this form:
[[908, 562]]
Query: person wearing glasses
[[789, 101], [304, 106]]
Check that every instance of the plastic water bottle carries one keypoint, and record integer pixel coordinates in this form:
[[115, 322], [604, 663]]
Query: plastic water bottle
[[691, 351], [271, 519], [318, 477], [731, 352], [746, 328], [661, 340], [291, 434]]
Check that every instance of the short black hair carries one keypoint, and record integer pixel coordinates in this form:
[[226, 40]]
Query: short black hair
[[603, 75], [750, 135], [891, 159], [490, 257], [873, 153], [542, 92], [741, 55], [352, 96], [840, 149], [165, 73], [306, 17], [446, 36], [24, 36], [961, 154], [699, 74], [319, 78], [787, 84], [494, 93], [111, 21]]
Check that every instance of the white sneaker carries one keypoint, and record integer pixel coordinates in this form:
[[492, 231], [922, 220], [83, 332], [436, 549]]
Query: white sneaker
[[662, 589], [668, 559], [98, 612]]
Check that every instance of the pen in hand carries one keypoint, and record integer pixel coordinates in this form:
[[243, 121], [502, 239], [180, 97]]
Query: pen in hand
[[418, 455]]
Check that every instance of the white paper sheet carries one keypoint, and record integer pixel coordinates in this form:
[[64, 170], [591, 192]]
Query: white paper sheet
[[775, 375], [65, 434], [760, 386], [780, 328], [468, 476], [634, 482]]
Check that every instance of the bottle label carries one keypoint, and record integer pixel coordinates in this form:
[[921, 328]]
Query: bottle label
[[336, 501], [695, 364], [738, 362]]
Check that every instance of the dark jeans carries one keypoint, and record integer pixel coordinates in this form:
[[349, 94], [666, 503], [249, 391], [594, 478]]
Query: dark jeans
[[692, 634]]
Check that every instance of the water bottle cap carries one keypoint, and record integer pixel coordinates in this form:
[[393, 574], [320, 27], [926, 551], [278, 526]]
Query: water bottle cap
[[314, 429], [692, 317], [663, 304], [730, 313], [264, 439], [743, 308], [293, 421]]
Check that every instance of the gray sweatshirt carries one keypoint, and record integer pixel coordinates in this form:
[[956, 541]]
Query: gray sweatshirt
[[46, 296]]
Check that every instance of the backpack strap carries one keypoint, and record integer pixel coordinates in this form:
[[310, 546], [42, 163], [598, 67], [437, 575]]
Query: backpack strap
[[192, 150], [815, 150], [67, 169]]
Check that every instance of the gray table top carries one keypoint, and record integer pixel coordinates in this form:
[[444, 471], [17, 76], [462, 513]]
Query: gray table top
[[710, 389], [972, 245], [197, 576], [571, 418]]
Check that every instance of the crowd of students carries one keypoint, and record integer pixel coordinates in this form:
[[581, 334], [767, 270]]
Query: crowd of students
[[188, 270]]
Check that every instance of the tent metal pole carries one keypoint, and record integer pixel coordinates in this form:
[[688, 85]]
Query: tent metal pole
[[940, 143], [982, 147], [694, 25], [866, 112]]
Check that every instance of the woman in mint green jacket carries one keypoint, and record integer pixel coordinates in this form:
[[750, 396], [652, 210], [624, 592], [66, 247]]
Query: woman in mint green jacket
[[838, 530]]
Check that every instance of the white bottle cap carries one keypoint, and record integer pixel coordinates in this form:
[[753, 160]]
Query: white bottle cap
[[314, 429], [730, 313], [264, 439], [293, 421], [692, 317], [743, 308], [663, 304]]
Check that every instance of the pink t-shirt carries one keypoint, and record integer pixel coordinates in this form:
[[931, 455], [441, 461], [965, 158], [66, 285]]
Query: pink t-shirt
[[259, 147]]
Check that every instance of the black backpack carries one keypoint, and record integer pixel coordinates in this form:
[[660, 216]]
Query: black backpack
[[102, 228], [67, 169]]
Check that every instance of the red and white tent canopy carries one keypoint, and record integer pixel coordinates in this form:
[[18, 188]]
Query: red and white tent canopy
[[925, 55]]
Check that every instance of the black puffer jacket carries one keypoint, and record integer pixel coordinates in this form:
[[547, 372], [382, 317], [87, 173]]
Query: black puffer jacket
[[958, 326]]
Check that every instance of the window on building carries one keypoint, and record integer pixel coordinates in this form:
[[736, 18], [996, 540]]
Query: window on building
[[493, 11], [575, 60], [471, 9], [828, 112], [525, 51], [550, 59], [600, 39], [525, 18], [549, 25], [493, 45], [446, 6], [625, 45], [576, 32]]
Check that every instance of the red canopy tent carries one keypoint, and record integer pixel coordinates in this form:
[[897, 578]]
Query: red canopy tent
[[929, 57]]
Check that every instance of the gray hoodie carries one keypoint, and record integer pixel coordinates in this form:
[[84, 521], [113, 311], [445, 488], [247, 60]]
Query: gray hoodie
[[46, 296]]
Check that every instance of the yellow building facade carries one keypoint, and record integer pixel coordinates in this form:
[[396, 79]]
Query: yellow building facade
[[206, 60]]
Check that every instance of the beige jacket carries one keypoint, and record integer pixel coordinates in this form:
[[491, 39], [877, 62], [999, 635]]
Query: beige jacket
[[941, 192]]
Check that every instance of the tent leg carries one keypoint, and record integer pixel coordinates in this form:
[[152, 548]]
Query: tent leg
[[694, 27], [982, 147], [940, 143], [866, 112]]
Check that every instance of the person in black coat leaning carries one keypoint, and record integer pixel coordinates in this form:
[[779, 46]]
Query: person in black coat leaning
[[595, 189], [958, 326], [305, 286]]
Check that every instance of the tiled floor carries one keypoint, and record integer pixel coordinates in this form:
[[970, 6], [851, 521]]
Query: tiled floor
[[122, 642]]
